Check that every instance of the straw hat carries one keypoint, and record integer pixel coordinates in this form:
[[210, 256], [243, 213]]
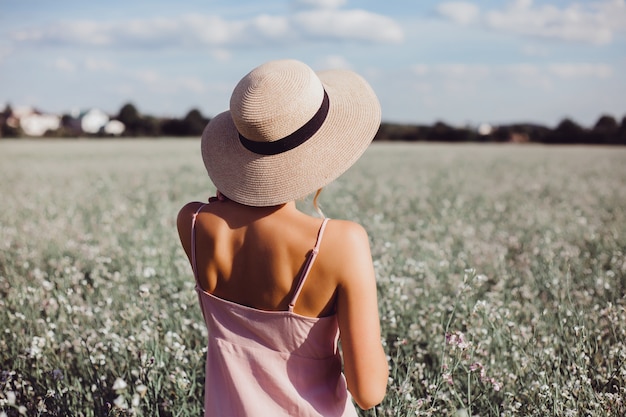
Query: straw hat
[[289, 132]]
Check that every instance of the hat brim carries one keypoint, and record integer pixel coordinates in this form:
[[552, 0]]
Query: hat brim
[[267, 180]]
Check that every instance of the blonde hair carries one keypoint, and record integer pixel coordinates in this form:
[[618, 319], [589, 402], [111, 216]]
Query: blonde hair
[[317, 207]]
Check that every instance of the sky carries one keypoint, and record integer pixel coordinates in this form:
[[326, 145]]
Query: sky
[[460, 62]]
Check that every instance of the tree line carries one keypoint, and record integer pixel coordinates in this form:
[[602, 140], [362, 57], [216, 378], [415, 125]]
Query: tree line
[[607, 130]]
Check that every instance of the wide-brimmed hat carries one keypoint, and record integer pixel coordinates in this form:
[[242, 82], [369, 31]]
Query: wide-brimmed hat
[[289, 132]]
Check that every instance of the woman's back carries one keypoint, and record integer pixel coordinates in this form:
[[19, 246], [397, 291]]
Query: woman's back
[[251, 257]]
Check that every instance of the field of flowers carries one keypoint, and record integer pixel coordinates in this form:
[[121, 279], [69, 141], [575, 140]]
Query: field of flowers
[[501, 269]]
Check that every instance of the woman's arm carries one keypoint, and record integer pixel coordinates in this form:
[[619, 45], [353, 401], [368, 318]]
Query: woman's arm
[[183, 224], [365, 362]]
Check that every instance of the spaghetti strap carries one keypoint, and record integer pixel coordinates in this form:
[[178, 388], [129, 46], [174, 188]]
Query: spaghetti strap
[[307, 266], [194, 267]]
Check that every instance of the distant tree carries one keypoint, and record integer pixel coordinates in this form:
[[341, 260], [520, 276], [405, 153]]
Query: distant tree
[[136, 124], [606, 130], [8, 111], [398, 132], [521, 131], [606, 123], [441, 132], [173, 127], [8, 126], [191, 125], [566, 132], [131, 118], [149, 126], [621, 133], [195, 122], [128, 114]]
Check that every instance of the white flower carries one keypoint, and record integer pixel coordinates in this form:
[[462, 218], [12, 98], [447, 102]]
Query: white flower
[[141, 389], [144, 290], [120, 402], [11, 397], [119, 384]]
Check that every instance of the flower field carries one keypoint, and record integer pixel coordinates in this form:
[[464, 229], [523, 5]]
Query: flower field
[[501, 270]]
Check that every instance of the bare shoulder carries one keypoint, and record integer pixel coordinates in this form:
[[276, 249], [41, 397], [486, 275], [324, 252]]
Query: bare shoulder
[[183, 222], [348, 247], [346, 234], [189, 209]]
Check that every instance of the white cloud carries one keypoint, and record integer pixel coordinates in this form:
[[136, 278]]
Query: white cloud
[[522, 70], [150, 77], [93, 64], [524, 74], [535, 50], [320, 4], [157, 83], [459, 11], [581, 70], [222, 55], [594, 22], [359, 25], [191, 84], [456, 70], [216, 32], [271, 27], [453, 76], [464, 70], [421, 69], [334, 62], [64, 65]]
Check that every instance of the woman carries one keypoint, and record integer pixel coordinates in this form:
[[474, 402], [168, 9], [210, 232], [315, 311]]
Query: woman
[[278, 287]]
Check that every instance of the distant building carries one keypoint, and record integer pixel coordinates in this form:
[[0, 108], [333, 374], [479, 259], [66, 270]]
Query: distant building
[[485, 129], [114, 127], [34, 122], [93, 121]]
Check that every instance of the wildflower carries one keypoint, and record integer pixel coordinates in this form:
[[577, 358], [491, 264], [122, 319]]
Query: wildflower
[[36, 346], [457, 340], [495, 384], [400, 342], [149, 272], [475, 366], [144, 290], [578, 329], [447, 376], [479, 306], [141, 389], [120, 402], [57, 374], [119, 384], [10, 397]]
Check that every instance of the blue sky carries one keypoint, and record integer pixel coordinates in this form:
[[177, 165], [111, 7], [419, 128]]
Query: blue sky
[[454, 61]]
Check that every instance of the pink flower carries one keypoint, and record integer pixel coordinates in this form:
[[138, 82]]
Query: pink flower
[[475, 366]]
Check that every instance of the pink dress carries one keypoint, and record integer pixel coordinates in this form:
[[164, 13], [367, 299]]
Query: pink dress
[[271, 363]]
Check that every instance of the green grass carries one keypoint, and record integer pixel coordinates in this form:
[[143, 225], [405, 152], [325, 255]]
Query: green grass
[[501, 270]]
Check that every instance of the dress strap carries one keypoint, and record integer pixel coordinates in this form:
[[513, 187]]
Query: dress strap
[[193, 242], [307, 266]]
